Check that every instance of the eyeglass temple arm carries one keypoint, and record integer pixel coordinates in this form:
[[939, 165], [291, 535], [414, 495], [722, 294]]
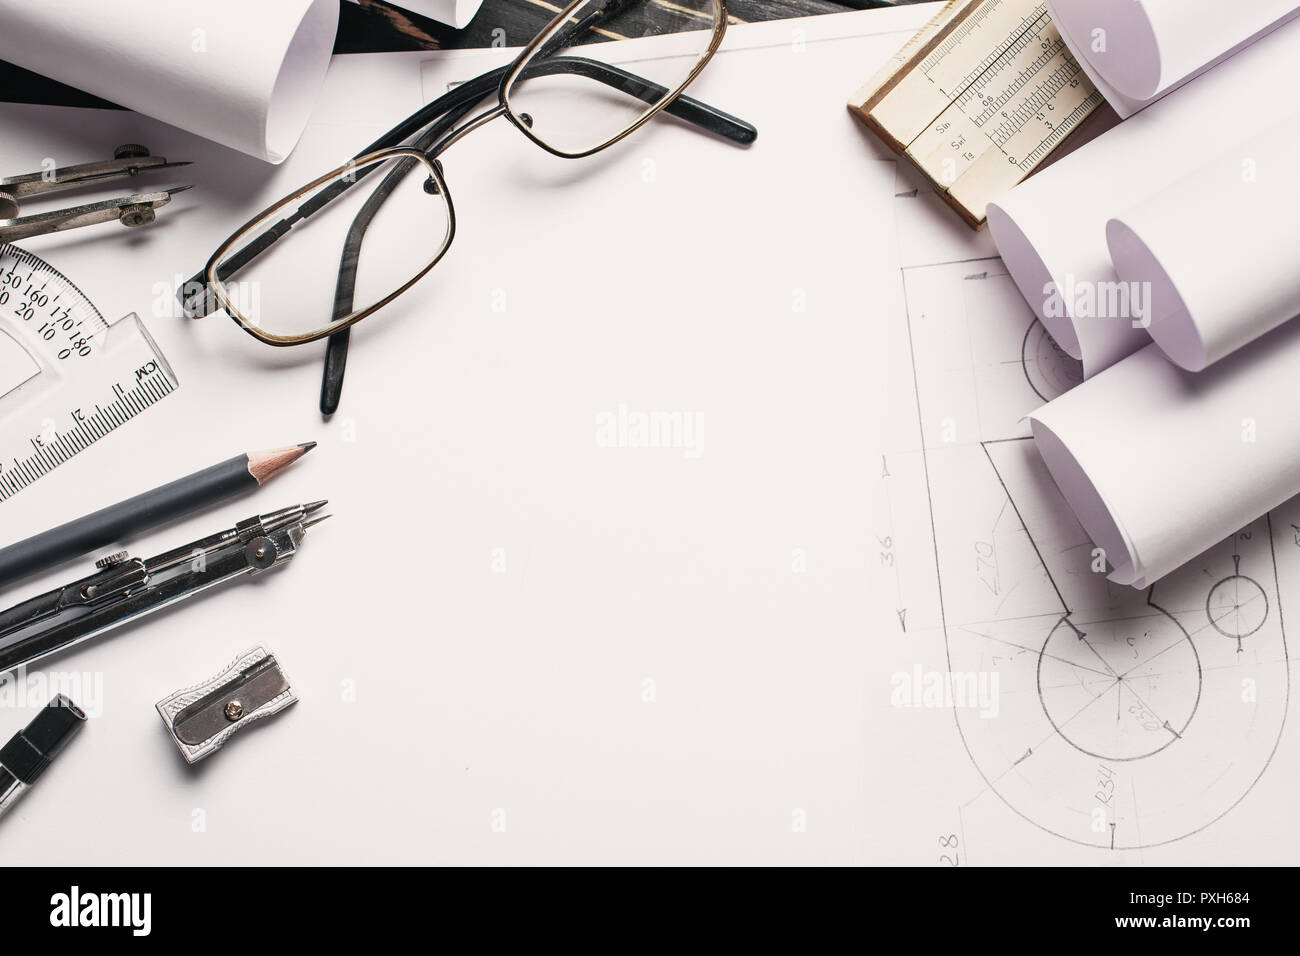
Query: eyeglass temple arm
[[575, 28], [454, 106], [336, 352], [693, 111], [197, 298]]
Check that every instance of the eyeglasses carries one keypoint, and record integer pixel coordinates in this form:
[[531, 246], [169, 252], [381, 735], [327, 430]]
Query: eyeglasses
[[386, 217]]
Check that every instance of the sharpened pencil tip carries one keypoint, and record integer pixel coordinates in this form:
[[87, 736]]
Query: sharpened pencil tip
[[314, 507], [263, 464]]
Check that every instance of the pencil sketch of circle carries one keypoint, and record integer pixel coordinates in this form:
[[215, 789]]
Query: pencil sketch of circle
[[1050, 370], [1237, 607], [1120, 690]]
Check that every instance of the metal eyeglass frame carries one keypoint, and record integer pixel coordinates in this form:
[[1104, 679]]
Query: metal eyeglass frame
[[443, 122]]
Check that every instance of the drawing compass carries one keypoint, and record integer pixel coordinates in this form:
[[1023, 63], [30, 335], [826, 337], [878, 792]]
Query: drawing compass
[[128, 161], [125, 588]]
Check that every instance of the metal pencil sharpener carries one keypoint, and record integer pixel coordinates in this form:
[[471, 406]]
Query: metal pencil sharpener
[[202, 718]]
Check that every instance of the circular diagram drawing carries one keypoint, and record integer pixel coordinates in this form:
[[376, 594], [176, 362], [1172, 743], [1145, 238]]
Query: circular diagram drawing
[[1124, 720], [1118, 695], [1237, 607], [1050, 370], [1116, 719]]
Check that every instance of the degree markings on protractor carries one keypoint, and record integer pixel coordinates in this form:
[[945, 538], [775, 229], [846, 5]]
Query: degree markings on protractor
[[67, 377]]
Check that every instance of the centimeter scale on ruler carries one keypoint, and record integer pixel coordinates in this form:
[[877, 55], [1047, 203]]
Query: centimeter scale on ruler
[[67, 376], [979, 98], [1012, 86]]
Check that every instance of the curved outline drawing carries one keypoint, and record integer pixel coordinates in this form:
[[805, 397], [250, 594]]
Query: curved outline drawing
[[1279, 701], [1214, 622], [992, 783], [1037, 326], [1174, 734]]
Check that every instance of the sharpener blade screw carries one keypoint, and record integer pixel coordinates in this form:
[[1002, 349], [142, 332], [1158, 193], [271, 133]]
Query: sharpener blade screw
[[234, 710]]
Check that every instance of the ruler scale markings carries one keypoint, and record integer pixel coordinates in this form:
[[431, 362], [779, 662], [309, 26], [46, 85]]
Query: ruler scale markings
[[958, 35], [114, 369], [45, 458], [978, 99], [1037, 101], [1011, 46], [1055, 136], [1024, 76], [994, 104], [1016, 84]]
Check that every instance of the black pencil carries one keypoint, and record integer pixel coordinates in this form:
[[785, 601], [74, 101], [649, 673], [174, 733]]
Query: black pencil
[[148, 510]]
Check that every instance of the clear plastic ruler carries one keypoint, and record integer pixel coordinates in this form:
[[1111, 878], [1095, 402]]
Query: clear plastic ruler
[[67, 376]]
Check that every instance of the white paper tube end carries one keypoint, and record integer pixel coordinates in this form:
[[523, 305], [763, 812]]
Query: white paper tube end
[[455, 13], [464, 12], [298, 84], [1172, 326], [1087, 504], [1032, 277], [1118, 40]]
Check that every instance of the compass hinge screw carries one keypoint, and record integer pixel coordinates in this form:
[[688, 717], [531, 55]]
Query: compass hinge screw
[[137, 214]]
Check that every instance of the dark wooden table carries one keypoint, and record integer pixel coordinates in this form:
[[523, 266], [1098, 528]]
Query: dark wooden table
[[375, 26]]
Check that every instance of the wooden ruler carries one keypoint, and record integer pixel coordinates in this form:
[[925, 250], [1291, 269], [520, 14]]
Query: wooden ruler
[[979, 99]]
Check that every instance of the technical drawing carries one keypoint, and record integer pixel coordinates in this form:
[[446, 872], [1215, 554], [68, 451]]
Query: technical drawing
[[1128, 718], [1050, 370], [1237, 605]]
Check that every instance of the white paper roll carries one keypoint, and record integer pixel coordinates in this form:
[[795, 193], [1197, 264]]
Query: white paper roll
[[1051, 229], [244, 73], [454, 13], [1139, 50], [1220, 249], [1159, 463]]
